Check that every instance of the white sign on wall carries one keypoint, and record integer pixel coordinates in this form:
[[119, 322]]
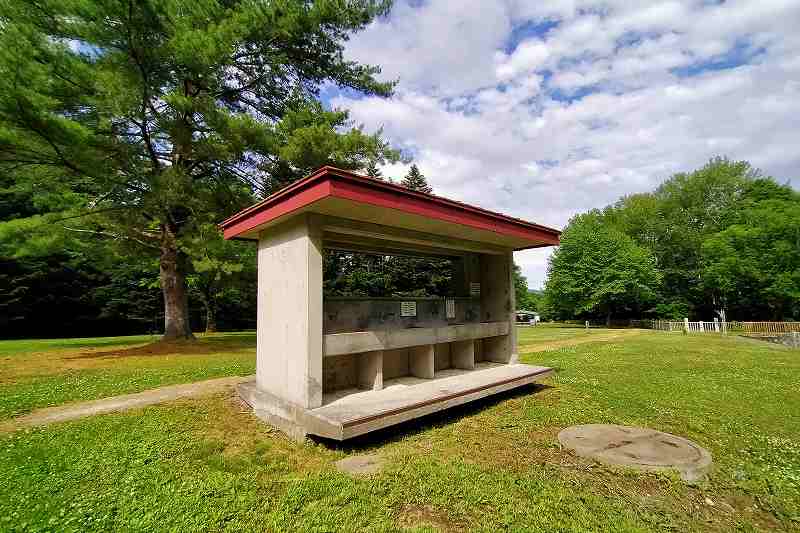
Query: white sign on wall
[[408, 308], [474, 289]]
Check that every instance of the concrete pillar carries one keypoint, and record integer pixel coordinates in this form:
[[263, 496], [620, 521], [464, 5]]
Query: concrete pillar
[[421, 361], [370, 370], [289, 352], [513, 354], [478, 348], [462, 354], [441, 356], [498, 304]]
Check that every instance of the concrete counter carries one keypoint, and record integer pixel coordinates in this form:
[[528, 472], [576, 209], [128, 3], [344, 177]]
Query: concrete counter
[[367, 341]]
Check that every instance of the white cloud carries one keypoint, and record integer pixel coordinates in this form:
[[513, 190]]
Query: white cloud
[[444, 47], [528, 57], [545, 124]]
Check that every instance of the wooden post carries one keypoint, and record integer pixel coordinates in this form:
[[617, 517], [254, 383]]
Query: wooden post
[[686, 325], [716, 324], [587, 324]]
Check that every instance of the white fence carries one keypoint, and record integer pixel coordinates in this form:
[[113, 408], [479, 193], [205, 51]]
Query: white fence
[[748, 328]]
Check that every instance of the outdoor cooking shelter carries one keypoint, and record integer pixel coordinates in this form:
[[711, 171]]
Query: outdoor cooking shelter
[[342, 367]]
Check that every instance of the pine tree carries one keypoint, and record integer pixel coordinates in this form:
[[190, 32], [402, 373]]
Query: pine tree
[[373, 171], [416, 181], [163, 116]]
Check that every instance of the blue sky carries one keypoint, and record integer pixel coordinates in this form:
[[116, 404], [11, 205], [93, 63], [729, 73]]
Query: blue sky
[[542, 110]]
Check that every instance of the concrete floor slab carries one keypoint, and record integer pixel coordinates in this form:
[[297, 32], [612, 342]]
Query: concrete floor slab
[[352, 412], [640, 448], [405, 398]]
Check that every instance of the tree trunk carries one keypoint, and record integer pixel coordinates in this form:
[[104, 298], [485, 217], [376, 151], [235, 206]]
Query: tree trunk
[[608, 319], [173, 285]]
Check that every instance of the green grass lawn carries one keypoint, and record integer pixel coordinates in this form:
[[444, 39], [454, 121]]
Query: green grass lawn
[[495, 465], [43, 373]]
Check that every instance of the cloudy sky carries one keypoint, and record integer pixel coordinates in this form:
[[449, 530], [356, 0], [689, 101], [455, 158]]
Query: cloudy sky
[[543, 109]]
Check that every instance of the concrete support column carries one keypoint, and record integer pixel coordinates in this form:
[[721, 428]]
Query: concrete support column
[[289, 353], [441, 356], [498, 304], [478, 347], [511, 313], [370, 370], [496, 349], [421, 361], [462, 354]]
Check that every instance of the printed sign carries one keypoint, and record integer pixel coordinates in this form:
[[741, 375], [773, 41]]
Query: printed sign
[[474, 289], [408, 308], [450, 306]]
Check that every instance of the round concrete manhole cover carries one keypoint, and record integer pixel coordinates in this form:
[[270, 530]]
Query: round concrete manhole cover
[[641, 448]]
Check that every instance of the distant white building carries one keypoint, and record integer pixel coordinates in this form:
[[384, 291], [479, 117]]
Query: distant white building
[[527, 317]]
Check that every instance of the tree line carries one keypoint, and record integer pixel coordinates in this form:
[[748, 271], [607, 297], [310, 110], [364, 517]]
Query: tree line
[[129, 129], [723, 240]]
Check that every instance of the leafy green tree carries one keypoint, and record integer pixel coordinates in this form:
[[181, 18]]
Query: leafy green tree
[[221, 270], [362, 274], [753, 265], [694, 206], [674, 221], [155, 113], [416, 181], [598, 271], [525, 299], [53, 284]]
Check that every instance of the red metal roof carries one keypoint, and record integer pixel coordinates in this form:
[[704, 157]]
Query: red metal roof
[[333, 182]]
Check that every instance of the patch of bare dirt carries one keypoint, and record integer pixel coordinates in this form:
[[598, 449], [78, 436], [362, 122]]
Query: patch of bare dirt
[[57, 362], [427, 515], [188, 347]]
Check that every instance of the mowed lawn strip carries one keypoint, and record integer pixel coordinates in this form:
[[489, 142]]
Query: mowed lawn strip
[[207, 464], [46, 373]]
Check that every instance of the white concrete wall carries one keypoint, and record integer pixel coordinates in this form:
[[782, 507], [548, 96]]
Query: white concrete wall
[[289, 356]]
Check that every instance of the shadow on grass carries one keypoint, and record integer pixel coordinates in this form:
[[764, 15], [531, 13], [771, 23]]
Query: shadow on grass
[[248, 338], [201, 346], [387, 435], [77, 343]]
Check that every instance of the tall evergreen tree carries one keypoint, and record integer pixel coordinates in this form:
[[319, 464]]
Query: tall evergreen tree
[[373, 171], [162, 116], [416, 181]]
